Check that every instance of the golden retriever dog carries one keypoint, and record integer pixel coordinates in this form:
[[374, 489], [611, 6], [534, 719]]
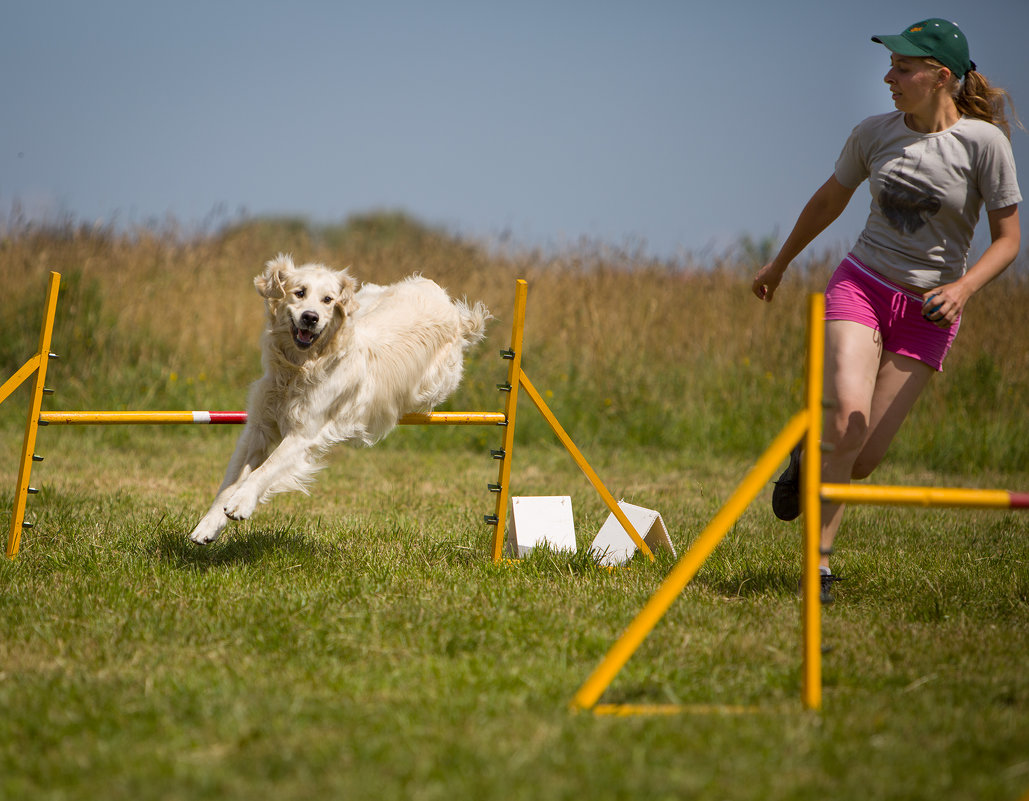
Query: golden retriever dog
[[340, 365]]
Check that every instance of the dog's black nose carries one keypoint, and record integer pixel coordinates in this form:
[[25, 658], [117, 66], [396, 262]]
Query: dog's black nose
[[309, 319]]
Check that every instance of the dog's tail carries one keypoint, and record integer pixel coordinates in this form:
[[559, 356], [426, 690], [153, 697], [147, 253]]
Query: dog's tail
[[473, 321]]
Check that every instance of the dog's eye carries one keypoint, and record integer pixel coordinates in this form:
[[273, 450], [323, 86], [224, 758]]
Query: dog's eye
[[300, 293], [327, 300]]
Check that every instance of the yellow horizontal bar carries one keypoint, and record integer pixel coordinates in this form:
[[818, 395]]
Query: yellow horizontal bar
[[113, 418], [915, 496], [177, 417], [454, 419]]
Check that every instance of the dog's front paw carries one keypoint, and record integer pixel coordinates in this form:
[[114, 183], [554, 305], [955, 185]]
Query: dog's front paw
[[241, 505], [208, 530]]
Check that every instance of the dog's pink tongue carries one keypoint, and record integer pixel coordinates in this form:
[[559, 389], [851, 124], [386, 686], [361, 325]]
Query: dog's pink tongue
[[305, 336]]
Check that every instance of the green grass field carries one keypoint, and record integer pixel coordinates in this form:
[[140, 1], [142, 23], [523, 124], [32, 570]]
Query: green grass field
[[360, 643]]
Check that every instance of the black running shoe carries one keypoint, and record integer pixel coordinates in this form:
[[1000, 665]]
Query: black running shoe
[[825, 592], [786, 495], [828, 579]]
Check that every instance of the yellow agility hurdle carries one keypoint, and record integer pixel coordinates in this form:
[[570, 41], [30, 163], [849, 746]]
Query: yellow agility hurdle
[[236, 418], [806, 426], [516, 380]]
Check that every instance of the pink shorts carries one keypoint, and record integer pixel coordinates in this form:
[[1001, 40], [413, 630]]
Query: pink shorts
[[859, 294]]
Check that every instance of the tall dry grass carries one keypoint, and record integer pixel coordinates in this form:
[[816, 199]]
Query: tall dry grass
[[630, 351]]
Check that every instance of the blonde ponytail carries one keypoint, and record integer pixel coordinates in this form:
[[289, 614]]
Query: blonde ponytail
[[975, 97]]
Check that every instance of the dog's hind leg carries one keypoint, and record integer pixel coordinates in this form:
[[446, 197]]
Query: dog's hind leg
[[251, 451]]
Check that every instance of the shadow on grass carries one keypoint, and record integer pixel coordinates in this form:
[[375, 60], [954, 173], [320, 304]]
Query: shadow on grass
[[754, 581], [242, 547]]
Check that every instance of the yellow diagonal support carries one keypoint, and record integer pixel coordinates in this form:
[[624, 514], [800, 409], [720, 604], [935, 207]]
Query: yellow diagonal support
[[588, 471], [19, 377]]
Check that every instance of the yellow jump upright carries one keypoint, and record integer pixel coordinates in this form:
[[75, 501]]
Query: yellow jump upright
[[35, 366], [811, 479], [517, 379]]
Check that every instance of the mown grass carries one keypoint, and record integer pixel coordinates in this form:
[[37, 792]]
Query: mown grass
[[360, 643]]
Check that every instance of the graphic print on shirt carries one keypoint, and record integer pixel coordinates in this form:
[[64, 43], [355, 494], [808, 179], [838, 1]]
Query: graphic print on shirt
[[906, 208]]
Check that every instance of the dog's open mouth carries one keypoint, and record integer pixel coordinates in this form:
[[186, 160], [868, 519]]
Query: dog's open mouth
[[303, 337]]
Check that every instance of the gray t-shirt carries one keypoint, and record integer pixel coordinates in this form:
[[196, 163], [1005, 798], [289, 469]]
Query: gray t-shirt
[[927, 191]]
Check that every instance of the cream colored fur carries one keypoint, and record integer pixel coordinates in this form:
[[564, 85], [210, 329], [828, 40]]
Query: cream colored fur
[[340, 365]]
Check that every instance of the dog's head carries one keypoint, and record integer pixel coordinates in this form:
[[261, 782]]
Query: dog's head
[[307, 304]]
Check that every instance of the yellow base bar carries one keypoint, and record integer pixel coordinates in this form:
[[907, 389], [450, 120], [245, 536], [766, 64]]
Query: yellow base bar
[[642, 710]]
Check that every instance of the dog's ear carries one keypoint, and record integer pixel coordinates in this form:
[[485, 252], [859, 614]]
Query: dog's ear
[[270, 283], [347, 303]]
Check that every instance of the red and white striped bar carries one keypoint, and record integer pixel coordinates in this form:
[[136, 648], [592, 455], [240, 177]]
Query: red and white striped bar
[[238, 418]]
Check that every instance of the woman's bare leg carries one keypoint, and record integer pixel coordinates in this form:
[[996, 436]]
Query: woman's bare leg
[[872, 393]]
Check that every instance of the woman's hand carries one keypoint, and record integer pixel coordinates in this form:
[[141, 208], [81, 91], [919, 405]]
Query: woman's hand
[[943, 305], [767, 281]]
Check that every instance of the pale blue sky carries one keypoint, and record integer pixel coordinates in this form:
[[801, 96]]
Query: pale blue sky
[[681, 125]]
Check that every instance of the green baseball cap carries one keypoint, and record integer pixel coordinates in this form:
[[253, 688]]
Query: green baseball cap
[[933, 38]]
